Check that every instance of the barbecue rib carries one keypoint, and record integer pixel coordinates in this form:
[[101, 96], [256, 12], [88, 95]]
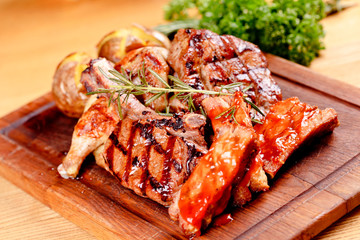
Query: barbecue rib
[[205, 60], [207, 191], [288, 125]]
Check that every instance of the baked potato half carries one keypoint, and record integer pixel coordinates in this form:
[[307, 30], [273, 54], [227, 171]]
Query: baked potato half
[[115, 45], [69, 94]]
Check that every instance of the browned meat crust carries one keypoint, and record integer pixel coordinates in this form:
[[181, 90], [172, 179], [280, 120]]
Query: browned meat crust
[[144, 59], [152, 156], [205, 60]]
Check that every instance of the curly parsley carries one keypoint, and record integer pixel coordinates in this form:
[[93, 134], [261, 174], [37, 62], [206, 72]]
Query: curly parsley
[[287, 28]]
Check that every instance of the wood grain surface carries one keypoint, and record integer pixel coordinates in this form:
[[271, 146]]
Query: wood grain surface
[[36, 35]]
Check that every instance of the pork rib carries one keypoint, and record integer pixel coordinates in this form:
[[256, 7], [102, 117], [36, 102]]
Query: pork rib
[[207, 191], [288, 125]]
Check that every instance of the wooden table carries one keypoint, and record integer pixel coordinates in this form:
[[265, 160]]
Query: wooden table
[[36, 35]]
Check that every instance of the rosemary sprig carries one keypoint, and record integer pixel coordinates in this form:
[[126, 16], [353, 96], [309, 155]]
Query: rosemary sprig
[[228, 112], [125, 86]]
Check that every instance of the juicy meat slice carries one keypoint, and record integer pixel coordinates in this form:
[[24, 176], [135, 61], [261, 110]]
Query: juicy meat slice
[[205, 60], [154, 155], [143, 59], [288, 125], [207, 191]]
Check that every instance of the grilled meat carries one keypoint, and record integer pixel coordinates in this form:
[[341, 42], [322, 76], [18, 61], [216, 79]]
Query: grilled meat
[[205, 60], [96, 123], [139, 62], [166, 158], [206, 193], [92, 130], [152, 156], [288, 125]]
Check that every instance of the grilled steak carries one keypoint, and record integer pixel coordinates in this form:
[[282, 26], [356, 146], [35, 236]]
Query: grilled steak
[[138, 62], [288, 125], [207, 191], [205, 60]]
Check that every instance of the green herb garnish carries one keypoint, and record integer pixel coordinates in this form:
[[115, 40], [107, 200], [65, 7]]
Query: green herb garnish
[[181, 90], [287, 28]]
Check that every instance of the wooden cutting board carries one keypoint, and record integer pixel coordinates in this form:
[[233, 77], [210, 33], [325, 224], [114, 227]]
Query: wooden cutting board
[[318, 184]]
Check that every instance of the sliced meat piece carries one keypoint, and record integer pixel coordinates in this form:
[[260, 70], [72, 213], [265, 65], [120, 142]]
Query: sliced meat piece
[[143, 59], [155, 155], [207, 191], [288, 125], [205, 60]]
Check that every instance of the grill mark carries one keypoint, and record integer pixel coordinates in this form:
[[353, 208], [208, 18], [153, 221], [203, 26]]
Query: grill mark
[[115, 141], [163, 186], [129, 150], [176, 125], [165, 177], [110, 156], [192, 155], [155, 62], [163, 190], [146, 132], [177, 166]]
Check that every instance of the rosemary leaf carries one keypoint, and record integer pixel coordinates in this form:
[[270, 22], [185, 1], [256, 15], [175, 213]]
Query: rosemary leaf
[[119, 107], [153, 98], [159, 78], [223, 113], [165, 114], [231, 87], [110, 98], [231, 111], [254, 106], [247, 88], [104, 73], [233, 115], [124, 78], [202, 111], [99, 91], [256, 121], [191, 104]]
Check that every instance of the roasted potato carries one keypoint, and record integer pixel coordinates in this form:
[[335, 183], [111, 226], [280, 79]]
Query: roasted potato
[[116, 44], [69, 94]]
